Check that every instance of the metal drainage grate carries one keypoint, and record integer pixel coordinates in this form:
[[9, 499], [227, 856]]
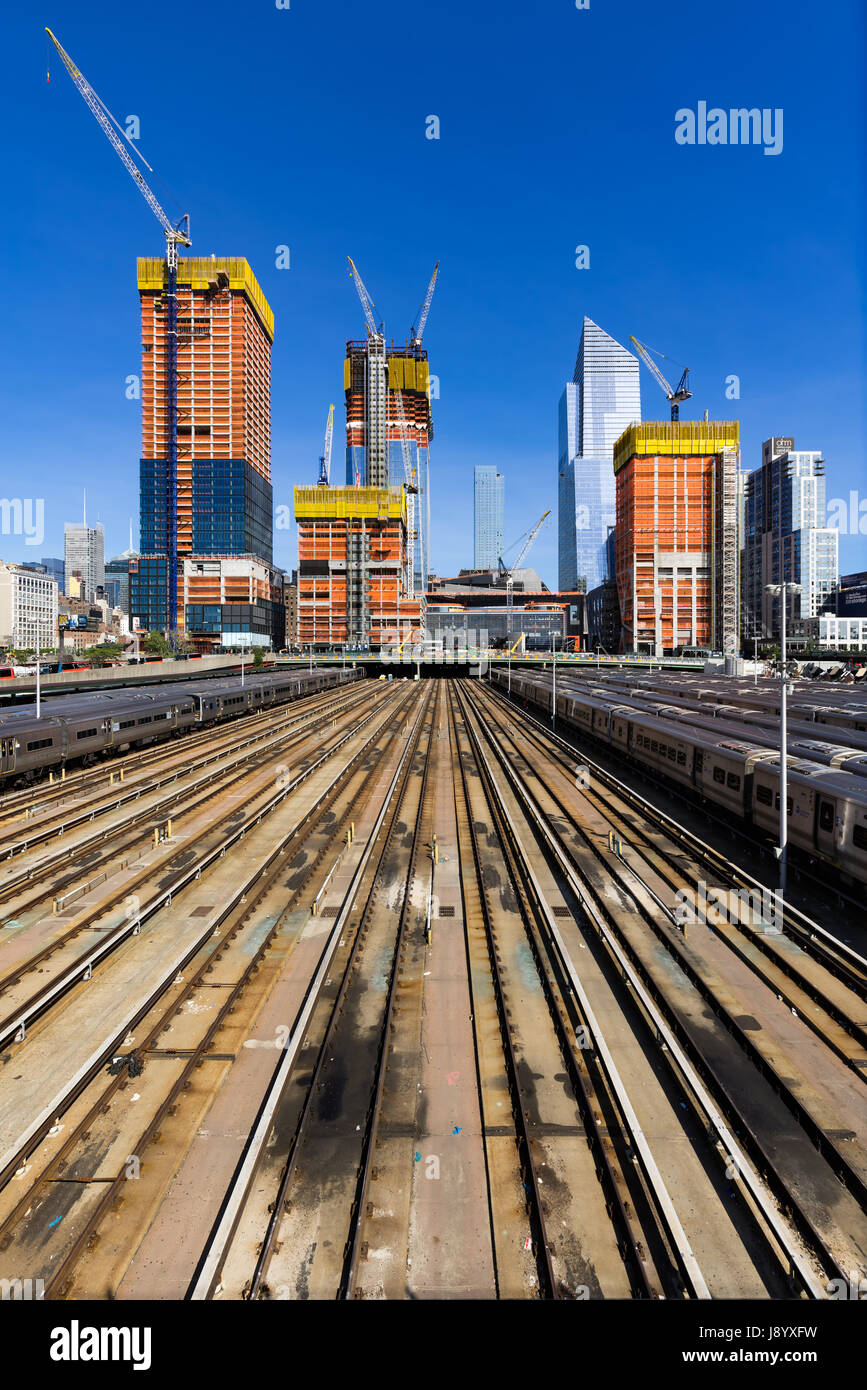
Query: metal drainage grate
[[329, 911], [560, 911], [203, 910], [445, 911]]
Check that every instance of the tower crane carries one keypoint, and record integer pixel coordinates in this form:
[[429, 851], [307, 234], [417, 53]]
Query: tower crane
[[416, 333], [674, 397], [366, 301], [176, 234], [516, 564], [325, 457]]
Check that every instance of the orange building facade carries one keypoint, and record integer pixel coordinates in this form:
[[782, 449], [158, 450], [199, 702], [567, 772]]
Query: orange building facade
[[353, 565], [223, 496], [677, 535]]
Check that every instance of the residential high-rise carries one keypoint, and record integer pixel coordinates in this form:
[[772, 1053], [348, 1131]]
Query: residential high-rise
[[221, 503], [785, 538], [28, 609], [677, 535], [603, 398], [387, 392], [488, 506], [84, 555]]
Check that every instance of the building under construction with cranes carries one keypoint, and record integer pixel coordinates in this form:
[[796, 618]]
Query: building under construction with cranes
[[362, 548], [225, 591]]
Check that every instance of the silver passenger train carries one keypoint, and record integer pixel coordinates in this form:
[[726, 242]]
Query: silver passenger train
[[81, 728], [827, 807]]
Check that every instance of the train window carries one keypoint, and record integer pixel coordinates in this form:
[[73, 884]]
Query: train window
[[733, 780], [699, 761], [148, 719], [672, 754], [681, 758], [39, 743], [654, 746], [719, 774], [826, 815], [764, 795], [126, 724], [859, 836], [87, 733], [789, 804]]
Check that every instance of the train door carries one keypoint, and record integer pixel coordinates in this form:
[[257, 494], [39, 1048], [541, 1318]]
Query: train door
[[826, 823], [7, 755]]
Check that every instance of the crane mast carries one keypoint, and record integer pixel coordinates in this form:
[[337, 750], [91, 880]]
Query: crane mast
[[176, 235]]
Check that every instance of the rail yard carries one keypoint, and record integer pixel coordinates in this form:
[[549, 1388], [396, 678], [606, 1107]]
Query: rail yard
[[318, 986]]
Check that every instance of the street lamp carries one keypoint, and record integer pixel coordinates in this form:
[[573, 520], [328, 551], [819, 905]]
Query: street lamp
[[782, 591]]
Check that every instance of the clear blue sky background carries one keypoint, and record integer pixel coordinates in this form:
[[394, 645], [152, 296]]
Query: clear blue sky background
[[306, 127]]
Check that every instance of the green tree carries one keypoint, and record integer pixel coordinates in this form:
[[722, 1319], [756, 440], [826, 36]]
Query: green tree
[[100, 655], [156, 645], [179, 642], [258, 659]]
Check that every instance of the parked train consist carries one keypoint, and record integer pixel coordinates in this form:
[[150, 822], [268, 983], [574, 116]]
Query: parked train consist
[[827, 807], [847, 710], [81, 728]]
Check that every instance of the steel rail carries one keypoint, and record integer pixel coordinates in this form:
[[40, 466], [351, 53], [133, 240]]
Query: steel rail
[[799, 1265], [208, 1270]]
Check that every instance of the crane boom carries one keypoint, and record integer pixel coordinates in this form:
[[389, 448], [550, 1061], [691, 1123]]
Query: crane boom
[[674, 395], [417, 333], [366, 301], [325, 458], [516, 564], [528, 543], [174, 234]]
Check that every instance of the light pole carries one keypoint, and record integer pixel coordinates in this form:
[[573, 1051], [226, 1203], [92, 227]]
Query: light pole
[[554, 691], [38, 686], [242, 666], [782, 590]]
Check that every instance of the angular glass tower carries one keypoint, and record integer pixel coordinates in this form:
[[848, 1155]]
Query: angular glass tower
[[488, 498], [603, 398]]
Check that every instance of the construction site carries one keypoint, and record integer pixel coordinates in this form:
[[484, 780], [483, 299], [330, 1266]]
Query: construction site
[[363, 548]]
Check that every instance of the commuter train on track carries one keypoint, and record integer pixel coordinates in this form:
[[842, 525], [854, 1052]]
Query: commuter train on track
[[81, 728], [827, 806]]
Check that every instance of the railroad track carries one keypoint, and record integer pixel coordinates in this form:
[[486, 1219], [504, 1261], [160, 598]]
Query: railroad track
[[803, 1166], [231, 941], [329, 1126], [205, 843], [824, 980]]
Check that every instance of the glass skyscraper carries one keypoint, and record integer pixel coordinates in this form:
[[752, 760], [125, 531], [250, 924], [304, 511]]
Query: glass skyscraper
[[603, 398], [488, 500]]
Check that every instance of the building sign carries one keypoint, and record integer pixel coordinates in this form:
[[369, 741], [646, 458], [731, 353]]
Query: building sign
[[782, 444]]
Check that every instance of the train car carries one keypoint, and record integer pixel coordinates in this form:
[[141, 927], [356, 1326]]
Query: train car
[[658, 745], [81, 727], [827, 812]]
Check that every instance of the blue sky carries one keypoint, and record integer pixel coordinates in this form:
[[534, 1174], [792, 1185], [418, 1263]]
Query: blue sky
[[306, 127]]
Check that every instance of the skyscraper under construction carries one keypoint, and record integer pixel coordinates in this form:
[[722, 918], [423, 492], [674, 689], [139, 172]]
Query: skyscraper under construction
[[216, 521], [389, 428]]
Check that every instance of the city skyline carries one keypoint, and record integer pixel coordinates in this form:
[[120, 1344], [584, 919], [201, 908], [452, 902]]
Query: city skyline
[[758, 302]]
